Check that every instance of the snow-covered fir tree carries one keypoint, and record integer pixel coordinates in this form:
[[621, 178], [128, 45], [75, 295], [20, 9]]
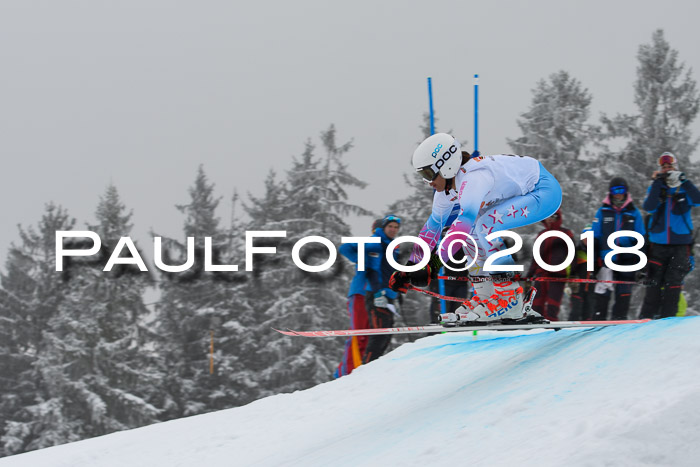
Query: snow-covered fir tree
[[93, 366], [556, 131], [312, 200], [668, 101], [200, 309], [30, 296]]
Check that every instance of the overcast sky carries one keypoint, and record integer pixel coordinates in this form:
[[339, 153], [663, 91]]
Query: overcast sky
[[140, 93]]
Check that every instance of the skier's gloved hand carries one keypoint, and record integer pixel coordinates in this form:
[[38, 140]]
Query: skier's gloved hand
[[421, 277], [398, 281], [380, 300]]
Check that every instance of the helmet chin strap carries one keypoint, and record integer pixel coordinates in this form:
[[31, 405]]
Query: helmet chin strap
[[448, 184]]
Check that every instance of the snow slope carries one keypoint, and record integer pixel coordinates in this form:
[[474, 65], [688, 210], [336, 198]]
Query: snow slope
[[625, 395]]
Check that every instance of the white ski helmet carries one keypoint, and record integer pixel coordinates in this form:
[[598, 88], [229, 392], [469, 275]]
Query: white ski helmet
[[668, 158], [439, 153]]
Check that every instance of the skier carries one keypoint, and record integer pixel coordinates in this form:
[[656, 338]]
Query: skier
[[669, 201], [486, 194], [618, 212], [553, 251]]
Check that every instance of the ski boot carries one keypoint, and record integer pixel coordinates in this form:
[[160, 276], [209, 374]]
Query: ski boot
[[505, 303], [529, 316], [476, 311]]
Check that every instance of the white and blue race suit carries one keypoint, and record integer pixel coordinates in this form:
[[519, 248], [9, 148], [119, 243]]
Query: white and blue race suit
[[489, 194]]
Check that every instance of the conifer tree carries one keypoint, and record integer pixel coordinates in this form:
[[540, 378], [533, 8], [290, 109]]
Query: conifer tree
[[556, 132], [198, 307], [668, 101], [93, 368], [314, 201], [30, 294]]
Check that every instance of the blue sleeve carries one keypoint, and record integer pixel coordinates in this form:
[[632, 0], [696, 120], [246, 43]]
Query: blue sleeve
[[653, 199], [374, 275], [693, 193], [639, 223], [597, 234], [373, 265], [597, 223], [349, 250]]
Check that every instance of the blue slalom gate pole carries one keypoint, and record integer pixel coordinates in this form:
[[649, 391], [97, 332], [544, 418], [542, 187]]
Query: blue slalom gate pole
[[441, 283], [476, 115], [430, 100]]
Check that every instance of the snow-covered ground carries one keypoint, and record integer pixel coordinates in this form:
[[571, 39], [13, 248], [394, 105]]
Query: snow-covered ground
[[625, 395]]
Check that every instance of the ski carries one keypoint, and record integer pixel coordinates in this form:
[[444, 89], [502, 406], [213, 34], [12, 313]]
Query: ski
[[437, 328]]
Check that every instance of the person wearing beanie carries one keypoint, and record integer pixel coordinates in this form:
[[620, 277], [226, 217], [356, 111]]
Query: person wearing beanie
[[669, 201], [617, 213]]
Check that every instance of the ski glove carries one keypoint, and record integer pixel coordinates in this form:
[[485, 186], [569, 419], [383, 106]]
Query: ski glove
[[380, 300], [398, 281], [421, 277]]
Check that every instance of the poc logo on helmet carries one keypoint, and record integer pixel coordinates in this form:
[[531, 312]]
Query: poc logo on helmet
[[445, 156], [436, 151]]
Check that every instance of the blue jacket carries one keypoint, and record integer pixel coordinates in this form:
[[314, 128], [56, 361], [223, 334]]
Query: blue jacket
[[375, 277], [610, 219], [670, 222], [378, 268], [359, 282]]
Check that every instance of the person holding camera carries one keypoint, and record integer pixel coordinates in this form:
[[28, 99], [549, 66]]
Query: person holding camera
[[670, 230]]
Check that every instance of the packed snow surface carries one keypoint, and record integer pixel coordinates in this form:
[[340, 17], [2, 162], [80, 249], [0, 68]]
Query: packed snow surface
[[623, 395]]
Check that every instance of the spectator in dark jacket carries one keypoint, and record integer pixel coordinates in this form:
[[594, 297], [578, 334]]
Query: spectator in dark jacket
[[553, 251], [617, 213], [669, 201]]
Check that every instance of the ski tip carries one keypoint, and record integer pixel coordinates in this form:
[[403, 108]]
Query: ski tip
[[288, 332]]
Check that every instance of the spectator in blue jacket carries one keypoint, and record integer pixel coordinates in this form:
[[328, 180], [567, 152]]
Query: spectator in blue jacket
[[617, 213], [669, 201], [359, 319], [380, 300]]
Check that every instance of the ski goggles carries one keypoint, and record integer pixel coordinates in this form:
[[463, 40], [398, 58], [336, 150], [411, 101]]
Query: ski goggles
[[428, 173], [667, 158], [388, 219], [618, 190]]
